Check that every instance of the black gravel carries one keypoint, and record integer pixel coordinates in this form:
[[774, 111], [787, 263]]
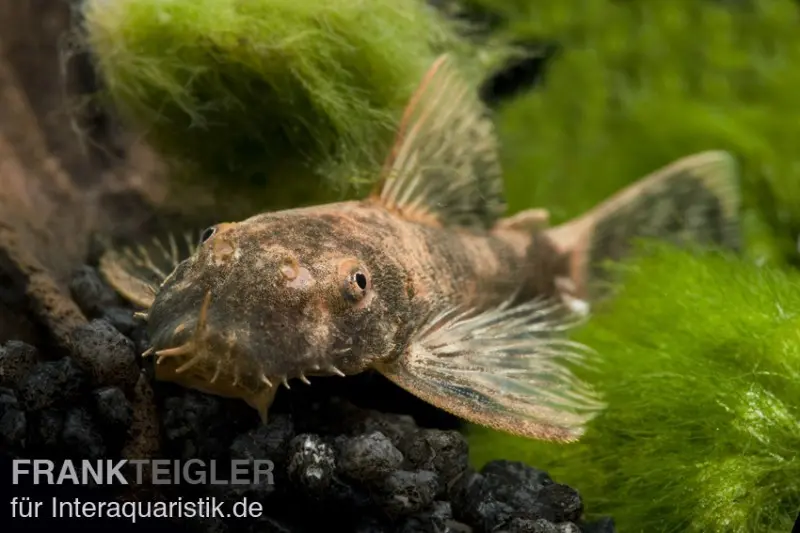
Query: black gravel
[[339, 463]]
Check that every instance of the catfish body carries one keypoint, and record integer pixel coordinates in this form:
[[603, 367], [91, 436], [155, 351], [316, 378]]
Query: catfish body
[[284, 300], [424, 281], [269, 271]]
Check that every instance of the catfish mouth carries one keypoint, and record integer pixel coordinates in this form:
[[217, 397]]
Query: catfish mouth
[[199, 357]]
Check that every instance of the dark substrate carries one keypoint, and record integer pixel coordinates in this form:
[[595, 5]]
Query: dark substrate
[[344, 459]]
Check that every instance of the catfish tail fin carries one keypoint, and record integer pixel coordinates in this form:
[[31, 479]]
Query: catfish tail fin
[[695, 200]]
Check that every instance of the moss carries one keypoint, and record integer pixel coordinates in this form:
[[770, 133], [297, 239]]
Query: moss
[[699, 361], [639, 84], [241, 93], [699, 354]]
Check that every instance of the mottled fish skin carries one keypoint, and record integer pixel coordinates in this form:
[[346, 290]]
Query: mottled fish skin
[[424, 280], [278, 285]]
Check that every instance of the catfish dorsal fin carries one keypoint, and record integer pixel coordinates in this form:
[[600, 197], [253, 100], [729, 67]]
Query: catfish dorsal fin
[[443, 168]]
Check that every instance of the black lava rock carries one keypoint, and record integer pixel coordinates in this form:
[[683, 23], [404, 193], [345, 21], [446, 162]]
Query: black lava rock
[[91, 293], [504, 479], [368, 457], [270, 441], [261, 485], [443, 452], [122, 319], [47, 429], [138, 336], [438, 517], [264, 443], [409, 492], [394, 426], [81, 435], [507, 490], [312, 463], [113, 407], [17, 359], [13, 424], [370, 524], [108, 355], [526, 525], [202, 426], [193, 425], [52, 382], [560, 503], [603, 525]]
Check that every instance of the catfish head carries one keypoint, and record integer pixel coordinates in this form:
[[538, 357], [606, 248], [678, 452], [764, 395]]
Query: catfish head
[[276, 297]]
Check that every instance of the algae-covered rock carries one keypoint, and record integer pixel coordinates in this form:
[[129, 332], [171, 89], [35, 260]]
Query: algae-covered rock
[[279, 91], [699, 361]]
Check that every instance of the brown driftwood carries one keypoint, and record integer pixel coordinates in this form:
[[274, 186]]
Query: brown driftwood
[[64, 174]]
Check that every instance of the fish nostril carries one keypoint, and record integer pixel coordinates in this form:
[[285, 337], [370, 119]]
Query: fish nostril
[[222, 250], [302, 279], [289, 268], [297, 276]]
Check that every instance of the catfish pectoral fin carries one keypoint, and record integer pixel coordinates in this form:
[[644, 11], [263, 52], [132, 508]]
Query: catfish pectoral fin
[[136, 272], [123, 277], [505, 368]]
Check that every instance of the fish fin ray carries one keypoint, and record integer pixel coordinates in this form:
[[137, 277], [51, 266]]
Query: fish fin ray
[[443, 168], [694, 200], [504, 368], [528, 221], [135, 272]]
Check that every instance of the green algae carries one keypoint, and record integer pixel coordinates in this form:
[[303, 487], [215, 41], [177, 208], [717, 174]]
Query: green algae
[[637, 85], [284, 93], [699, 361], [699, 354]]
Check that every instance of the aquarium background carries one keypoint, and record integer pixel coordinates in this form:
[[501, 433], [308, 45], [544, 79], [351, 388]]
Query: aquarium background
[[122, 120]]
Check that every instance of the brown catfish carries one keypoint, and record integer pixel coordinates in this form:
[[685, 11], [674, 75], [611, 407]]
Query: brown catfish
[[423, 281]]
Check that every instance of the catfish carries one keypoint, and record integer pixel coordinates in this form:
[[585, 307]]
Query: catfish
[[425, 280]]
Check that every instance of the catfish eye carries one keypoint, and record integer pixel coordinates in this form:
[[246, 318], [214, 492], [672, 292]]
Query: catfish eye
[[207, 234], [356, 283]]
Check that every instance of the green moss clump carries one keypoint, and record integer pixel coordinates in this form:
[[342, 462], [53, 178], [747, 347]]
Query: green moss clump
[[637, 85], [241, 92], [699, 361], [699, 354]]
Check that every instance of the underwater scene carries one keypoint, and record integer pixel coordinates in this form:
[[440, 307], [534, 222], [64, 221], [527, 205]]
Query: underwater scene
[[400, 266]]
